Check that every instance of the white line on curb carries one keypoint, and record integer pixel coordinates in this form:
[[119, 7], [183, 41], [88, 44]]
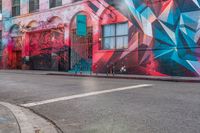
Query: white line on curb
[[84, 95]]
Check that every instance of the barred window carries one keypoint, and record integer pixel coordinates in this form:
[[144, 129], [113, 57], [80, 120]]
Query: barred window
[[15, 8], [0, 6], [33, 5], [55, 3], [115, 36]]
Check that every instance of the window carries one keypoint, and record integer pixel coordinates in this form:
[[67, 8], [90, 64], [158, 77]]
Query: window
[[55, 3], [115, 36], [15, 8], [0, 6], [0, 40], [33, 5]]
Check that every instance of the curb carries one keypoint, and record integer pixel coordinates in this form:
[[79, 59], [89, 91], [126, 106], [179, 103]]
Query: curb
[[136, 77], [116, 76], [28, 121], [8, 121], [59, 130]]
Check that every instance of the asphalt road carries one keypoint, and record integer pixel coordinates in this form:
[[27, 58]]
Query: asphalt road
[[164, 107]]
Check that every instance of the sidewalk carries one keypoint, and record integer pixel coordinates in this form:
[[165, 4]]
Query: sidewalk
[[8, 122], [118, 76], [15, 119]]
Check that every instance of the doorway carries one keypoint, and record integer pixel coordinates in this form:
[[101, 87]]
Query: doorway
[[81, 46], [81, 50], [17, 59], [16, 55], [63, 61]]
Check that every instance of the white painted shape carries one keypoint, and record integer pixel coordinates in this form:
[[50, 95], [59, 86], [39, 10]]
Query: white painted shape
[[147, 27], [170, 33], [195, 66], [196, 2]]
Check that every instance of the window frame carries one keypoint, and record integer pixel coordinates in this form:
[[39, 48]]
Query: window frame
[[55, 4], [34, 10], [15, 6], [115, 37], [0, 6]]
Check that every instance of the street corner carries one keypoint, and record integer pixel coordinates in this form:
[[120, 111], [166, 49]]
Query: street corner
[[15, 119], [8, 122]]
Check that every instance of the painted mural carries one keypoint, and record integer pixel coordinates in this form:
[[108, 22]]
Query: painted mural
[[163, 38], [168, 38], [45, 48]]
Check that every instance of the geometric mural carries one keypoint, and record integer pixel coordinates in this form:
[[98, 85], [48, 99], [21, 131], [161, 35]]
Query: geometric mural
[[171, 29]]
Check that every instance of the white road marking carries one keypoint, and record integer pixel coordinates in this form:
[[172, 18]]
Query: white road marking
[[84, 95]]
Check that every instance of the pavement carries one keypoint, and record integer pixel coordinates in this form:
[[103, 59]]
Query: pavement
[[15, 119], [72, 104], [8, 122], [100, 75]]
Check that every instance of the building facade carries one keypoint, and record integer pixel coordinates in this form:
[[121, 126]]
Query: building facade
[[149, 37]]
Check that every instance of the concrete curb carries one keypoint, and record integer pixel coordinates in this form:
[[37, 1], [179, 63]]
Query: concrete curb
[[136, 77], [28, 121], [116, 76], [8, 122]]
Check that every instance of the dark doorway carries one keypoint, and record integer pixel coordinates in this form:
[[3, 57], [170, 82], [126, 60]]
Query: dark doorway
[[63, 61], [17, 60], [16, 55]]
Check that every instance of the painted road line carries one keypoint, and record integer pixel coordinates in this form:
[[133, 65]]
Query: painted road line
[[84, 95]]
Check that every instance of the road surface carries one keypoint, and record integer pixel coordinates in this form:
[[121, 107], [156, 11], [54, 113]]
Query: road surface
[[99, 105]]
